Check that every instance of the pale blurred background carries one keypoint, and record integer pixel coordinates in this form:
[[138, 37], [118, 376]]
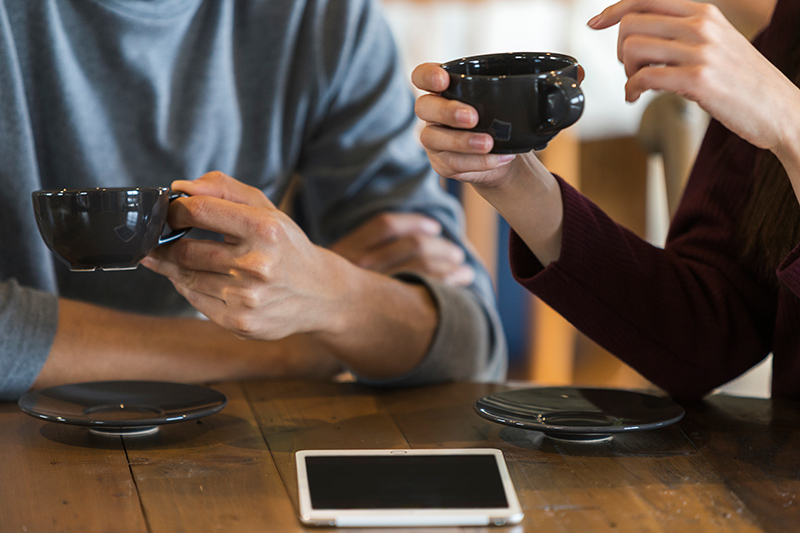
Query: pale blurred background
[[631, 159]]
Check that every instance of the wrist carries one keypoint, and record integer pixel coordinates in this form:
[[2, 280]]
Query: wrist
[[787, 147], [530, 201], [788, 153], [382, 327]]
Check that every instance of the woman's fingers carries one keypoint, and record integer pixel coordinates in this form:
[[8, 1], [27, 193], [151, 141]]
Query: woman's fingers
[[613, 14], [439, 110], [430, 77], [441, 139]]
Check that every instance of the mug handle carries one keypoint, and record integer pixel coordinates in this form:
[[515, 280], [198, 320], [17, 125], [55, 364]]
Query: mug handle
[[174, 234], [566, 95]]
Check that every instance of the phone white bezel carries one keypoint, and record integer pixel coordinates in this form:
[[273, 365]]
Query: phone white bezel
[[408, 517]]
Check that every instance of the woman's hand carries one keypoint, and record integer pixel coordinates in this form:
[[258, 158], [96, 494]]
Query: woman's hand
[[521, 189], [454, 151], [691, 49]]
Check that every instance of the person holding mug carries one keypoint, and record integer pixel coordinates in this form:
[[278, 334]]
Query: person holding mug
[[724, 292], [305, 105]]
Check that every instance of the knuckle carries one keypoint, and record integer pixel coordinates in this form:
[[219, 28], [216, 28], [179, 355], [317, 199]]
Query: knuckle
[[249, 299], [698, 76], [267, 229], [256, 266], [196, 206], [629, 48], [417, 244], [419, 107], [216, 175], [454, 162], [487, 163], [243, 301], [428, 108], [456, 253], [625, 22], [385, 224], [242, 325], [707, 11], [428, 137], [188, 279], [701, 28], [181, 252]]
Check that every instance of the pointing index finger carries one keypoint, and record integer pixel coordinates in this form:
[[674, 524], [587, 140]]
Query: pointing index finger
[[614, 13], [218, 215]]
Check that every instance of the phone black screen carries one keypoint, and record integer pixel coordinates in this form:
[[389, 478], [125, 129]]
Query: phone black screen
[[405, 482]]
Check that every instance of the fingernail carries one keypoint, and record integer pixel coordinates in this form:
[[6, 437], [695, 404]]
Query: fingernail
[[480, 142], [506, 158], [594, 21], [464, 117]]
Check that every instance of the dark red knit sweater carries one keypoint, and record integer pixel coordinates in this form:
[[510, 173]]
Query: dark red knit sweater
[[694, 315]]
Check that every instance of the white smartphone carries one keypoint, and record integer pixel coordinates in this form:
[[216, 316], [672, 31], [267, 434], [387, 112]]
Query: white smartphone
[[376, 488]]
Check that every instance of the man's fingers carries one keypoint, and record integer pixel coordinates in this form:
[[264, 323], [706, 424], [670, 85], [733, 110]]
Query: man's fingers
[[222, 216], [220, 185]]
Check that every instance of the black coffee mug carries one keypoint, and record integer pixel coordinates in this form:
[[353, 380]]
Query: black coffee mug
[[104, 228], [523, 99]]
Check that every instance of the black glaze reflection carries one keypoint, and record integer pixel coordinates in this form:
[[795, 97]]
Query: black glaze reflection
[[122, 406], [523, 99], [574, 413]]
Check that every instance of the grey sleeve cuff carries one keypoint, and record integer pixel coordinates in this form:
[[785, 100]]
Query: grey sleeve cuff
[[468, 344], [28, 320]]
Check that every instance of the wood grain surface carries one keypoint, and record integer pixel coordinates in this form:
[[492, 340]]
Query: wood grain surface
[[732, 464]]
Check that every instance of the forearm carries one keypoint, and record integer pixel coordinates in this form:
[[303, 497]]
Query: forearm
[[530, 201], [94, 343], [381, 327]]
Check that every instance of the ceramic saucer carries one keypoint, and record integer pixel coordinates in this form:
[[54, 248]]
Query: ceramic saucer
[[579, 414], [122, 407]]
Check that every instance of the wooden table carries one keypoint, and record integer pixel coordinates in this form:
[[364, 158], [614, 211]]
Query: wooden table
[[732, 464]]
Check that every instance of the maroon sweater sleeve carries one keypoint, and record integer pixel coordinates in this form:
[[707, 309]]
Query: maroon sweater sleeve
[[789, 271], [693, 315], [690, 316]]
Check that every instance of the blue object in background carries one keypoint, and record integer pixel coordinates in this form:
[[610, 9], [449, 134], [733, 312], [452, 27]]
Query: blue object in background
[[513, 300]]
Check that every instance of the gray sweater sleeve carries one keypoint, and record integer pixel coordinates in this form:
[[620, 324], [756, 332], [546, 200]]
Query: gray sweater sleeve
[[465, 346], [364, 159], [28, 321], [335, 109]]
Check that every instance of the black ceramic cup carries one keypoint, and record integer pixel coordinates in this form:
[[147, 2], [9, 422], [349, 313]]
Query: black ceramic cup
[[103, 228], [523, 99]]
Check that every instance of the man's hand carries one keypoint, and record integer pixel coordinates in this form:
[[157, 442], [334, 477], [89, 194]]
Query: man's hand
[[266, 280], [406, 242]]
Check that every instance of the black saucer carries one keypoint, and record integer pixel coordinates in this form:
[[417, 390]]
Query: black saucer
[[579, 414], [122, 407]]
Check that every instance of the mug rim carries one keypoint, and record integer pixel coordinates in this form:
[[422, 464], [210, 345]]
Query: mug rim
[[557, 55], [91, 190]]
